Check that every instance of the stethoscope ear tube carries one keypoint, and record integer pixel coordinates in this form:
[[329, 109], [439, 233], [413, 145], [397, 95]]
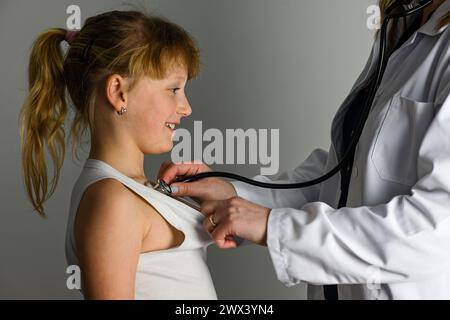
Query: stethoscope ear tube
[[391, 13]]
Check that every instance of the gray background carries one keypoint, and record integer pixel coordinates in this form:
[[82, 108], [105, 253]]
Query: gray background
[[285, 64]]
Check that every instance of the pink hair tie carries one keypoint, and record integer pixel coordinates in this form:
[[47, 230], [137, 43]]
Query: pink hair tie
[[70, 36]]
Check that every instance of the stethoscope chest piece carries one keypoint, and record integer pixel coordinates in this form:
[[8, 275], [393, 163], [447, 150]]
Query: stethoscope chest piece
[[162, 186]]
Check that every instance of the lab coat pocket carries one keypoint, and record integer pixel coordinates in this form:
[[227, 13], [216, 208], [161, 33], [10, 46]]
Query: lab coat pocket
[[396, 146]]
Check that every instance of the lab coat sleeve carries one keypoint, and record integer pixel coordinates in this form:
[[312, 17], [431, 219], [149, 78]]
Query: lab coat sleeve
[[313, 167], [406, 239]]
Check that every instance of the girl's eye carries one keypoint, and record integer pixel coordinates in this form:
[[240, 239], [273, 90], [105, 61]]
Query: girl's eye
[[174, 90]]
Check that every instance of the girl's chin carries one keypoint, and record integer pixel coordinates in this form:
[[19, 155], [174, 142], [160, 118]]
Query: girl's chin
[[161, 150], [169, 149]]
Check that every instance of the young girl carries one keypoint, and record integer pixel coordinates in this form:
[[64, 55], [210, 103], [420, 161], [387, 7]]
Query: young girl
[[125, 73]]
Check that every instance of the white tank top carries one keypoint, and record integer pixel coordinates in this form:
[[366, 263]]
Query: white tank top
[[177, 273]]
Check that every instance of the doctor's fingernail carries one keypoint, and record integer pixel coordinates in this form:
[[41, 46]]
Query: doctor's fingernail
[[174, 189]]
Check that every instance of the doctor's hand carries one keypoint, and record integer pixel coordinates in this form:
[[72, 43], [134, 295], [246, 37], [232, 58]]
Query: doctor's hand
[[201, 190], [226, 219]]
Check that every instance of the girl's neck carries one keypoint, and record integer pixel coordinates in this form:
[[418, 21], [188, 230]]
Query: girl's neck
[[131, 166]]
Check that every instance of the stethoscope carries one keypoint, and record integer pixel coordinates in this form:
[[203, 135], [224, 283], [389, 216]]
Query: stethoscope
[[165, 189], [393, 12]]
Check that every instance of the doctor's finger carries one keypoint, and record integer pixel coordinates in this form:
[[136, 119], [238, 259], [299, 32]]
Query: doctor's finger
[[163, 167], [169, 173], [209, 207], [223, 236], [194, 190], [208, 224]]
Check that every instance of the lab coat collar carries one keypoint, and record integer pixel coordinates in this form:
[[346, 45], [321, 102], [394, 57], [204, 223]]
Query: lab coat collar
[[430, 27]]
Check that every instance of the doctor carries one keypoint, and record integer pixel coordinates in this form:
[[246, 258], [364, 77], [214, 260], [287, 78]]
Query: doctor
[[381, 228]]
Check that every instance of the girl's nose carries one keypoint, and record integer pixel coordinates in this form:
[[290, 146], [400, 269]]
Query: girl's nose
[[185, 108]]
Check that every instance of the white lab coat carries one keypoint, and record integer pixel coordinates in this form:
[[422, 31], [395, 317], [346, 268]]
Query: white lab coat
[[392, 241]]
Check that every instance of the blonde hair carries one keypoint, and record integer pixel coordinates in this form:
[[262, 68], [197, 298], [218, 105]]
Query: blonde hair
[[385, 4], [128, 43]]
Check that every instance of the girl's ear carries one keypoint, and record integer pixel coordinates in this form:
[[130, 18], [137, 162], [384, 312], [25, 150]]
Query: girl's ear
[[116, 91]]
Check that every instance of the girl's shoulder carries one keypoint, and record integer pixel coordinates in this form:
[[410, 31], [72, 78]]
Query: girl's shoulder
[[108, 203]]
